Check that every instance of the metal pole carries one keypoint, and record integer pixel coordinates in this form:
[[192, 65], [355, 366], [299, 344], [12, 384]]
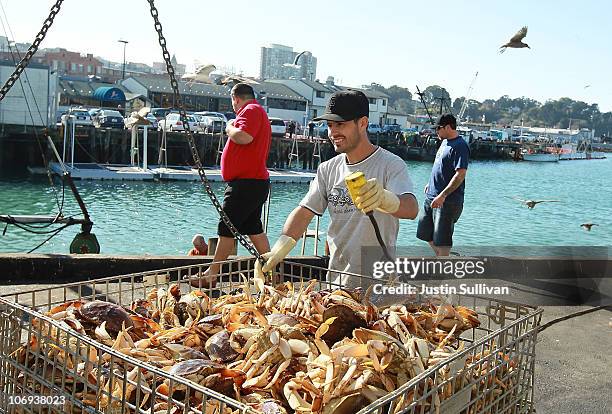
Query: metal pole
[[65, 132], [73, 130], [133, 145], [48, 103], [125, 42], [144, 145]]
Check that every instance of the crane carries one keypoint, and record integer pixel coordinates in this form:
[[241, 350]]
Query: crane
[[466, 99]]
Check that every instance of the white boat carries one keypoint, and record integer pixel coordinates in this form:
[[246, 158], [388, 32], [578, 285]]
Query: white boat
[[541, 151], [541, 157]]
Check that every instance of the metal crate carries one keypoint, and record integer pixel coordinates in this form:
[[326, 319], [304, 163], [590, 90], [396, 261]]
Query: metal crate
[[492, 374]]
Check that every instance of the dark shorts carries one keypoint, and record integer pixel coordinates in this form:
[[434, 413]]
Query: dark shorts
[[243, 202], [438, 224]]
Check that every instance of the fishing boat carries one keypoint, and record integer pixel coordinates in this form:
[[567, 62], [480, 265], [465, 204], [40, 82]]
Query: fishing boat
[[536, 153]]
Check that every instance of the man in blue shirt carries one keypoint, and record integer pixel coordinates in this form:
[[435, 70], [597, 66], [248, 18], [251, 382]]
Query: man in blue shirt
[[444, 192]]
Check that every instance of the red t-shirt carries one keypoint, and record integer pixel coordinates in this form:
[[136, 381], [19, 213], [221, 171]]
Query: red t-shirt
[[248, 161], [196, 252]]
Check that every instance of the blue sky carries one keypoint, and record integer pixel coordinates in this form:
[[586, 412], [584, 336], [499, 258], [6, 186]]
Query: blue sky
[[358, 42]]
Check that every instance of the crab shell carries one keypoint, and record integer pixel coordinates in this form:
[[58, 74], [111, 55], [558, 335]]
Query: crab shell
[[98, 311], [272, 407], [197, 302], [218, 347], [202, 368], [279, 319], [342, 327]]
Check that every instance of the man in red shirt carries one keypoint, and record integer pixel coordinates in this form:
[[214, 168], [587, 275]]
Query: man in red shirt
[[243, 167], [200, 248]]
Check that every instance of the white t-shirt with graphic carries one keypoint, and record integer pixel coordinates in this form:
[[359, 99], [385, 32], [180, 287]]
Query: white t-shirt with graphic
[[349, 229]]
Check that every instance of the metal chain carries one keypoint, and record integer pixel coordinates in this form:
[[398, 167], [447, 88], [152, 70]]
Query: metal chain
[[194, 151], [31, 50]]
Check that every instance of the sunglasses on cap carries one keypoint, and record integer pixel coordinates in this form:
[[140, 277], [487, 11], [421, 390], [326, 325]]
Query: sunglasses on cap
[[439, 127]]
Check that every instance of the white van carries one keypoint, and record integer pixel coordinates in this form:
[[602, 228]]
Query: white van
[[278, 127]]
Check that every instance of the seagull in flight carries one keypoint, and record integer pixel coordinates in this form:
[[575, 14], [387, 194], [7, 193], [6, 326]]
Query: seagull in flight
[[532, 203], [138, 117], [587, 86], [516, 41], [587, 226], [200, 75], [231, 80]]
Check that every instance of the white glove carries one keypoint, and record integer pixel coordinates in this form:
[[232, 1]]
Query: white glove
[[372, 196]]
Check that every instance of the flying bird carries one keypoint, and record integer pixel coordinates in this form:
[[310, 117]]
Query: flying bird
[[516, 41], [587, 226], [138, 117], [532, 203], [200, 75], [587, 86], [230, 80]]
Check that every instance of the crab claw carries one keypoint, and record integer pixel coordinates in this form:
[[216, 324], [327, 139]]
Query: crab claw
[[259, 278], [163, 389]]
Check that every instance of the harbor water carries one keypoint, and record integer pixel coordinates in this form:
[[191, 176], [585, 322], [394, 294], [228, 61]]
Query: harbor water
[[160, 218]]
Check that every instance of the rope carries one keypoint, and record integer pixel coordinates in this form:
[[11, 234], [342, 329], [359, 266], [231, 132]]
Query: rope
[[573, 315]]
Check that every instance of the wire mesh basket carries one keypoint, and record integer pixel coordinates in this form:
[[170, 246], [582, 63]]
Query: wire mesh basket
[[48, 367]]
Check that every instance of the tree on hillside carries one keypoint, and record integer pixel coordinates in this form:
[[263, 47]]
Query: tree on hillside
[[507, 110], [432, 95]]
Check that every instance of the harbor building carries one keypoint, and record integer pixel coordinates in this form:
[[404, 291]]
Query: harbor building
[[36, 88], [278, 100]]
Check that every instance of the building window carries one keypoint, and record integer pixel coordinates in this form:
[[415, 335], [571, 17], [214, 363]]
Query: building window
[[320, 94], [384, 103], [89, 69], [73, 67], [372, 101]]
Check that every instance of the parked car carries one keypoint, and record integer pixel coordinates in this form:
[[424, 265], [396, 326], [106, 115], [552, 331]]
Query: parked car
[[278, 127], [215, 114], [160, 113], [109, 118], [320, 129], [80, 117], [374, 129], [211, 124], [172, 122], [152, 120], [391, 129], [93, 112]]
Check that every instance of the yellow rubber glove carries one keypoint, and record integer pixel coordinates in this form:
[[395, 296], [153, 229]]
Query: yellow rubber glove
[[279, 251], [372, 196]]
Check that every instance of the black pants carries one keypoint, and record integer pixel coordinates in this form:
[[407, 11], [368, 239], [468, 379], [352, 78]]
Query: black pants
[[243, 202]]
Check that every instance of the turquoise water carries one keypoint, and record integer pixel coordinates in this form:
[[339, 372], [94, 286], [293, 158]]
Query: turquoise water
[[161, 217]]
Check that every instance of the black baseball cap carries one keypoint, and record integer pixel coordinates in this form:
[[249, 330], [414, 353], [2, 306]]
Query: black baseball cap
[[346, 106]]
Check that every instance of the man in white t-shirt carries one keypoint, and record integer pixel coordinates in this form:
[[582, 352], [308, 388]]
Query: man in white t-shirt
[[388, 192]]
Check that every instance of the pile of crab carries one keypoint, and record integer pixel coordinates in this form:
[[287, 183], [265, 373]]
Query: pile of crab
[[290, 348]]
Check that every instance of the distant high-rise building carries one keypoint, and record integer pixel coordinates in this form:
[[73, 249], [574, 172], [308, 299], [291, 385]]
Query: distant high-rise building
[[277, 63]]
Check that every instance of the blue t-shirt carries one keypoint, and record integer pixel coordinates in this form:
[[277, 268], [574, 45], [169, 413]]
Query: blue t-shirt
[[452, 155]]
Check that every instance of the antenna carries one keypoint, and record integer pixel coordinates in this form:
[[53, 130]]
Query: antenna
[[468, 94], [431, 120]]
